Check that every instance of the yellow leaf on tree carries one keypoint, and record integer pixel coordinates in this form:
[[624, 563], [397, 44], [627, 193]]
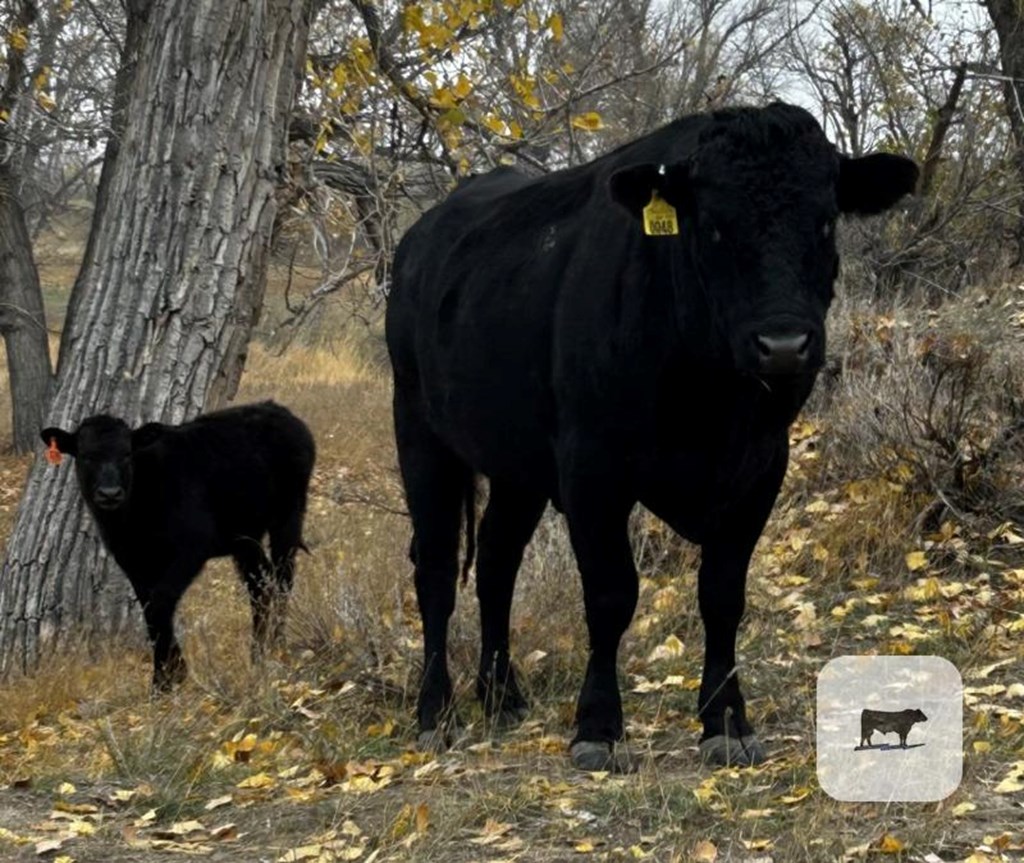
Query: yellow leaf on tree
[[18, 39], [588, 122], [463, 86], [556, 27], [494, 123]]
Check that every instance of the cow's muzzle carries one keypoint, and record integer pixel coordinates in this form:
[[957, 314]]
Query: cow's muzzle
[[108, 497], [786, 353]]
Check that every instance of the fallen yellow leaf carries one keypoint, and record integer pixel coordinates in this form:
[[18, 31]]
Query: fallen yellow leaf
[[889, 844], [704, 852], [258, 780], [916, 560]]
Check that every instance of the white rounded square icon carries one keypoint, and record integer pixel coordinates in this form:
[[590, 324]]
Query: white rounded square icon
[[890, 728]]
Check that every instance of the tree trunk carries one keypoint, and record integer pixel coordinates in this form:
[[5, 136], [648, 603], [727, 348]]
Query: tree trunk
[[177, 276], [22, 321], [1008, 18], [137, 12]]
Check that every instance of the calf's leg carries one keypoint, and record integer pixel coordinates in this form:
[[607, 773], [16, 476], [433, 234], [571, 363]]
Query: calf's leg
[[508, 523], [158, 607], [255, 571], [285, 541]]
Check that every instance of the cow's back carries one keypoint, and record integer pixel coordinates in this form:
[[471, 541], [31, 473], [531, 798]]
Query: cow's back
[[228, 474], [469, 320]]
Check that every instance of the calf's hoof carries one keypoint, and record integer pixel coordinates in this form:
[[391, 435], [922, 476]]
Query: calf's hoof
[[597, 755], [434, 741], [508, 717], [169, 676], [725, 751]]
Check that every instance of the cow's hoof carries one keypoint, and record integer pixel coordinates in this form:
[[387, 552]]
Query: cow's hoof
[[725, 751], [508, 717], [434, 741], [595, 755]]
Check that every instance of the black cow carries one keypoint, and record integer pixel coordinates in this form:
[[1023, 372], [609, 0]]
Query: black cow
[[887, 722], [540, 337], [169, 498]]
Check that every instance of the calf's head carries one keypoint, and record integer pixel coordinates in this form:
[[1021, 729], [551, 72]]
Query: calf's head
[[755, 207], [102, 447]]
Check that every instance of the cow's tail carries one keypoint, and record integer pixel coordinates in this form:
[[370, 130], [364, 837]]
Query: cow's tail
[[470, 501]]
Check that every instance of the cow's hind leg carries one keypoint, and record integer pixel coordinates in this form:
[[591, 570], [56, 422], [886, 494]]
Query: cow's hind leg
[[255, 571], [436, 484], [508, 523], [285, 542]]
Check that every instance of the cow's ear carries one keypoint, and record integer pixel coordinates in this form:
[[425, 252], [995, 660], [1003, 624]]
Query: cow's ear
[[147, 435], [65, 442], [872, 184], [633, 187]]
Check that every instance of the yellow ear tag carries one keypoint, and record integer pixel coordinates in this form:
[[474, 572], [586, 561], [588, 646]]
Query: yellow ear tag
[[660, 218]]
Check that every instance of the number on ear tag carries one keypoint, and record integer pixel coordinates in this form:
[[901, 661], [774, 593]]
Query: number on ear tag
[[660, 218]]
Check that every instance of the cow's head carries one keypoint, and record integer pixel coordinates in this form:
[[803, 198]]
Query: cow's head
[[918, 715], [102, 447], [756, 207]]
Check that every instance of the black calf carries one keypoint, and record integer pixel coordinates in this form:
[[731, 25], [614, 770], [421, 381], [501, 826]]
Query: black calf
[[168, 498]]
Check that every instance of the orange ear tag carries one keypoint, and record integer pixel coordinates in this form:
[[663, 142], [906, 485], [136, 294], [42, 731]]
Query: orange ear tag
[[53, 455]]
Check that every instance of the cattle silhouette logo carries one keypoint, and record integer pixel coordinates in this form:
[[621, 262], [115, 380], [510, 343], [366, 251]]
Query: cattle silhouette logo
[[889, 728], [888, 721]]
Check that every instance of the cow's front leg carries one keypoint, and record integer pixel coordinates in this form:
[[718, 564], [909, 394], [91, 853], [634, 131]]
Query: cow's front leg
[[728, 737], [158, 607], [598, 527]]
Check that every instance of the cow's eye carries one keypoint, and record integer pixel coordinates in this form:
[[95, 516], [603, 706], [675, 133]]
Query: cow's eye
[[827, 227]]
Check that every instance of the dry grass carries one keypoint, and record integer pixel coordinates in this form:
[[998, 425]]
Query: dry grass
[[320, 737]]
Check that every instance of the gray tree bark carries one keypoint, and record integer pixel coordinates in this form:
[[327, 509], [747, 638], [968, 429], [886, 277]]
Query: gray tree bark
[[167, 305], [1008, 19], [22, 322]]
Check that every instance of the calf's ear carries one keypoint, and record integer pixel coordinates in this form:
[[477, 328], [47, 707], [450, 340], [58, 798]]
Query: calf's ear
[[147, 435], [872, 184], [633, 186], [66, 442]]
